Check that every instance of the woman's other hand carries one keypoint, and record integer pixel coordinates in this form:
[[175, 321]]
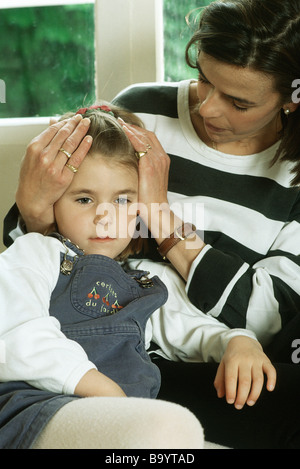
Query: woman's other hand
[[44, 176]]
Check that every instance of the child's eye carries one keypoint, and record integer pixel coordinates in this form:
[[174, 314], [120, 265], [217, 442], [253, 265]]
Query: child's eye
[[122, 201], [84, 200]]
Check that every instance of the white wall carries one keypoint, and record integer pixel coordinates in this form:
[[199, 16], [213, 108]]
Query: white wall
[[128, 50], [15, 134]]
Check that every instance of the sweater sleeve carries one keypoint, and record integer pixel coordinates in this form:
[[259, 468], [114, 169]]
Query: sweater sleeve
[[11, 228], [35, 349], [248, 275], [179, 329], [262, 297]]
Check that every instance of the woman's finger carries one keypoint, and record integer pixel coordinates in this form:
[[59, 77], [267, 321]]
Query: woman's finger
[[78, 156], [68, 139]]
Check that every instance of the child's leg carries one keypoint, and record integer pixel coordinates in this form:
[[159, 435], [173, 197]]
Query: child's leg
[[121, 423]]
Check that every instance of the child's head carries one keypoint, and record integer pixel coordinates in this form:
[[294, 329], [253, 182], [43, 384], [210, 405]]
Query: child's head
[[98, 210]]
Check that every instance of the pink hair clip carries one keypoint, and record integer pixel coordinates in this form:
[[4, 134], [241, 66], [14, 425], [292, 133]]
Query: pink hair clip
[[102, 108]]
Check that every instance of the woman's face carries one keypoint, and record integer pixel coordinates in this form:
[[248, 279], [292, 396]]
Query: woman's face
[[236, 104]]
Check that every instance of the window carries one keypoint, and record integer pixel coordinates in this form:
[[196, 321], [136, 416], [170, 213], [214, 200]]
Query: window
[[177, 33], [49, 64]]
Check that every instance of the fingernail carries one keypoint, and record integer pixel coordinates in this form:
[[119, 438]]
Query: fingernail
[[238, 406], [250, 403], [89, 139], [86, 121], [230, 401]]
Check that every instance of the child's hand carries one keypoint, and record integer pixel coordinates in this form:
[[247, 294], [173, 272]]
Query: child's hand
[[240, 376], [94, 383]]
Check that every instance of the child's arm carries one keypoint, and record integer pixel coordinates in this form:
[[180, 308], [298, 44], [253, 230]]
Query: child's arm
[[35, 349], [94, 383], [240, 376]]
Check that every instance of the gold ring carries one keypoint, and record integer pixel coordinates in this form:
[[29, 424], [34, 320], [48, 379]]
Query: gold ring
[[68, 155], [72, 168], [140, 154]]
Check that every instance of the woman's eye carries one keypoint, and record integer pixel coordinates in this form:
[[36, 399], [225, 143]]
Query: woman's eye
[[239, 108], [202, 80]]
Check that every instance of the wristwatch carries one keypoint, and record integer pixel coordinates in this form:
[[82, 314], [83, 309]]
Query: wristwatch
[[180, 234]]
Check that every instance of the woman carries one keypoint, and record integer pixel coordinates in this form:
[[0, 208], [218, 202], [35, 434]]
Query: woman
[[233, 145]]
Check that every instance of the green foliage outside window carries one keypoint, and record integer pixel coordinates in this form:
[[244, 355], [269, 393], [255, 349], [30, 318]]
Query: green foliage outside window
[[177, 34], [48, 55], [47, 59]]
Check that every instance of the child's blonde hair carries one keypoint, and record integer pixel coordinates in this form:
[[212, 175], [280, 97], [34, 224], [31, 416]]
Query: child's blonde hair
[[110, 140]]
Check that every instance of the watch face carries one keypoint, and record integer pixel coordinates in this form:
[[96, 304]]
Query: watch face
[[184, 230]]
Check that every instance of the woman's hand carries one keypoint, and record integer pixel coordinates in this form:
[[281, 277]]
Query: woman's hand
[[44, 176], [154, 208], [240, 376], [153, 166]]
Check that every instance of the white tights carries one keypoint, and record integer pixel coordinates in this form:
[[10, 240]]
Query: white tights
[[121, 423]]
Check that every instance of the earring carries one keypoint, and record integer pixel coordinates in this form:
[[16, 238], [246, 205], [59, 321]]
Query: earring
[[287, 111]]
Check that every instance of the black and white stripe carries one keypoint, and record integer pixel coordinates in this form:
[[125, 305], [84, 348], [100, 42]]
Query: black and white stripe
[[249, 273]]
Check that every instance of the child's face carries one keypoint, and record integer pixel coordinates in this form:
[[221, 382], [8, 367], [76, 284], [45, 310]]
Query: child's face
[[98, 210]]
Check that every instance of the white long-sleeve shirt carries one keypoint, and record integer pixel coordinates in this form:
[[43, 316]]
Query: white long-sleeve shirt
[[36, 351]]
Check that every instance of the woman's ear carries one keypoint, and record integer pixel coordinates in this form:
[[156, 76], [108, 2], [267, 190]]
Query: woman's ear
[[290, 107]]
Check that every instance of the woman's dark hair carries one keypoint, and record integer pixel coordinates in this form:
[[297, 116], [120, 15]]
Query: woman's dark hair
[[263, 35]]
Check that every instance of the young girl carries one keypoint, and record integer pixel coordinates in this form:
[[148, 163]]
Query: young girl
[[98, 315], [97, 318]]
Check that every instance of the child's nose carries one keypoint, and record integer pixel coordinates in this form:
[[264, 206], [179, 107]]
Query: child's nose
[[104, 214]]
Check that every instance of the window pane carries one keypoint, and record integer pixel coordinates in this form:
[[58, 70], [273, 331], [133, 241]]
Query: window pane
[[177, 34], [49, 59]]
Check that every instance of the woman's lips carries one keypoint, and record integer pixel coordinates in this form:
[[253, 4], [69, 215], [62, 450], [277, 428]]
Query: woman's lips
[[212, 128]]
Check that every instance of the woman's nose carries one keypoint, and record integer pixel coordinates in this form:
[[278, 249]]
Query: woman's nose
[[211, 106]]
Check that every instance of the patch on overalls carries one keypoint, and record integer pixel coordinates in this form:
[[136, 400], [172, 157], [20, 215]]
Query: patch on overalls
[[102, 291]]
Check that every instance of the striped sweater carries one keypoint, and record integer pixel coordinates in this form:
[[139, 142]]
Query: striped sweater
[[248, 274]]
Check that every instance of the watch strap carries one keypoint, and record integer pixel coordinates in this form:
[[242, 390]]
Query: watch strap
[[180, 234]]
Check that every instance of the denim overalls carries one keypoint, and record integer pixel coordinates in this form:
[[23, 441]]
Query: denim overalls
[[105, 310]]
